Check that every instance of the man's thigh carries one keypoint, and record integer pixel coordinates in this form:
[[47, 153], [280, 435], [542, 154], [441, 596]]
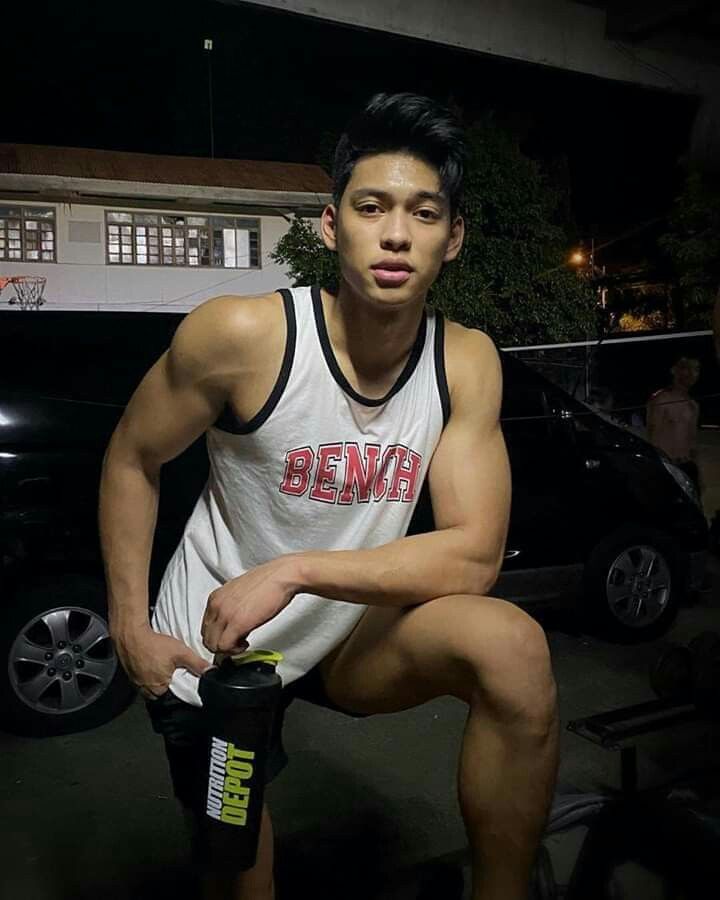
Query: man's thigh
[[397, 658]]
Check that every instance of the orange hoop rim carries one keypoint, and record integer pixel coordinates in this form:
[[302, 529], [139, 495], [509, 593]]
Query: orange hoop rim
[[24, 279]]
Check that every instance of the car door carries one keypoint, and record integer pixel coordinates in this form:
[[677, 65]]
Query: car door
[[542, 547]]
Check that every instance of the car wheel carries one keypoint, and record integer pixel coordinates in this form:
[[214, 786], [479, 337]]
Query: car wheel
[[634, 586], [60, 673]]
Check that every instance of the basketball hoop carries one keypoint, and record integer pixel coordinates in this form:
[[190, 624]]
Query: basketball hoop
[[28, 290]]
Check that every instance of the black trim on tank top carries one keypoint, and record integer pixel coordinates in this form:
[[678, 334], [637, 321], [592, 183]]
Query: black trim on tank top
[[335, 369], [440, 373], [228, 421]]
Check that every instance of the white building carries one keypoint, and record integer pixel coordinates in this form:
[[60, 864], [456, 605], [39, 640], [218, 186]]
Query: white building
[[134, 231]]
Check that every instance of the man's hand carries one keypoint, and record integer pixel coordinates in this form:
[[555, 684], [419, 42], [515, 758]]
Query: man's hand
[[244, 603], [150, 659]]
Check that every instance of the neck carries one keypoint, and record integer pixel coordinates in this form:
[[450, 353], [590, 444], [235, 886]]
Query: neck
[[681, 389], [376, 340]]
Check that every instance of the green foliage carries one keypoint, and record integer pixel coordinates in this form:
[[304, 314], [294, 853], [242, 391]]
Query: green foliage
[[308, 260], [511, 278], [693, 245]]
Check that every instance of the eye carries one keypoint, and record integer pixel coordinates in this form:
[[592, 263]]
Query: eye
[[429, 214], [369, 208]]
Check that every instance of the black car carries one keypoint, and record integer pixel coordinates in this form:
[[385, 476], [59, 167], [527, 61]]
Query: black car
[[600, 521]]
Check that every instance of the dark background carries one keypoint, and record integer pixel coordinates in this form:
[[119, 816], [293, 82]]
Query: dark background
[[134, 76]]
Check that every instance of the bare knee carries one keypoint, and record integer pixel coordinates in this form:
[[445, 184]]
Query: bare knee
[[512, 674]]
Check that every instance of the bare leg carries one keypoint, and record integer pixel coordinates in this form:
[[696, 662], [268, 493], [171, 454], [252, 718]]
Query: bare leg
[[492, 655], [254, 884], [506, 782]]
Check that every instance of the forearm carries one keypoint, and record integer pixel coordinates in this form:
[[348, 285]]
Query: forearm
[[127, 519], [405, 572]]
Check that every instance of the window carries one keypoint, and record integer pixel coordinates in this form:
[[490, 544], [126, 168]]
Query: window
[[155, 239], [27, 233]]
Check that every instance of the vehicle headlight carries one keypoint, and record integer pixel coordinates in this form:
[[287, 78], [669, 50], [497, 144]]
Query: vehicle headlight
[[683, 481]]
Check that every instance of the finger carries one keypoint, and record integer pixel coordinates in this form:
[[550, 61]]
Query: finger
[[220, 656], [149, 695], [191, 661], [211, 629], [231, 641], [210, 632]]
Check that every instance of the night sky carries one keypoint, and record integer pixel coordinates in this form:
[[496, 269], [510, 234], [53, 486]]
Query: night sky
[[132, 76]]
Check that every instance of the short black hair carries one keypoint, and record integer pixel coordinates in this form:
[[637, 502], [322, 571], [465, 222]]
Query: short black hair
[[408, 123]]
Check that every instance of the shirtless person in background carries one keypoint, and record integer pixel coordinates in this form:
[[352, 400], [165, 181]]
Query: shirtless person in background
[[672, 418]]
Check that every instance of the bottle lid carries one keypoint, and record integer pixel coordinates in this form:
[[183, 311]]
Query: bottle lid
[[242, 680], [269, 657]]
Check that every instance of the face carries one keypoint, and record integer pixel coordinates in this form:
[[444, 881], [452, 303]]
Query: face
[[392, 230], [686, 372]]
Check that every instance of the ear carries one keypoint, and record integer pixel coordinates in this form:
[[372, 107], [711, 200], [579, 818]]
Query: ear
[[328, 226], [457, 235]]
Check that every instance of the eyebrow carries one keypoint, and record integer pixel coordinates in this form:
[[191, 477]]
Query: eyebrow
[[437, 196]]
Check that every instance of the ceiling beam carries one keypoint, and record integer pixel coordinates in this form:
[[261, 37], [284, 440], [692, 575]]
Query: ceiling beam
[[639, 19]]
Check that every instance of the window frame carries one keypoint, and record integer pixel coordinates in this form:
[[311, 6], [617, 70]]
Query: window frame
[[28, 213], [169, 221]]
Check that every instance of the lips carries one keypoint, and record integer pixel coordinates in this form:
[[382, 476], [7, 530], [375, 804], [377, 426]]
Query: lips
[[391, 273]]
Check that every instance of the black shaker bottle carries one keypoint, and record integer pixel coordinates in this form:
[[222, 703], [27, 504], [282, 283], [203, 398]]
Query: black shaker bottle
[[240, 698]]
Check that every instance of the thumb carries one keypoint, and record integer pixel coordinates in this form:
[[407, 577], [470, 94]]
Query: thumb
[[193, 662]]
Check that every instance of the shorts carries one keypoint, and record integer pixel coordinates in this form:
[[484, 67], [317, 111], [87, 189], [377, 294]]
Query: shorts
[[185, 734]]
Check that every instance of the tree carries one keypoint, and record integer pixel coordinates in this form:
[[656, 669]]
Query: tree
[[511, 278], [692, 244]]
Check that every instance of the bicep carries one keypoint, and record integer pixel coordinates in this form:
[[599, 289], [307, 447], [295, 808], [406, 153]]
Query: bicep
[[470, 483], [654, 415], [165, 414]]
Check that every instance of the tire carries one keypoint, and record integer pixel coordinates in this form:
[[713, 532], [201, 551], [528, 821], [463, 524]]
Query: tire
[[37, 701], [623, 611]]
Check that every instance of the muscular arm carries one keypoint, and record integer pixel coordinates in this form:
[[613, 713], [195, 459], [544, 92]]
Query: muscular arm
[[654, 412], [175, 403], [470, 489], [693, 433]]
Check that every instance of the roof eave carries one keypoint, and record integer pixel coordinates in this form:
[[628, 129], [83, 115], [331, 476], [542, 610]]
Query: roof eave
[[95, 189]]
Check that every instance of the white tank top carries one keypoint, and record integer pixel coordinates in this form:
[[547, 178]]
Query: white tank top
[[318, 468]]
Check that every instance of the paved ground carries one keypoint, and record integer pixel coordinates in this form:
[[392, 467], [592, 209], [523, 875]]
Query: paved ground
[[92, 815]]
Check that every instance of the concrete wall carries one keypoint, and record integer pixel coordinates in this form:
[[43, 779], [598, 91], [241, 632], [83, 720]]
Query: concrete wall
[[558, 33], [563, 34], [80, 279]]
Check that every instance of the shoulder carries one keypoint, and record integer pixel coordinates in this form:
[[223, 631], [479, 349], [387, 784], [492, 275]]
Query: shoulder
[[659, 397], [472, 364], [469, 352], [220, 332]]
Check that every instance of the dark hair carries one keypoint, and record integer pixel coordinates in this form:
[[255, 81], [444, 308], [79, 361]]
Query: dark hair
[[404, 123]]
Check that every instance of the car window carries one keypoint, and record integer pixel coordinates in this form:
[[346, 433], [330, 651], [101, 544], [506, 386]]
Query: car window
[[88, 356], [521, 401]]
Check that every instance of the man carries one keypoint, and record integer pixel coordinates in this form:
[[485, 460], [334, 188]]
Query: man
[[324, 413], [672, 418]]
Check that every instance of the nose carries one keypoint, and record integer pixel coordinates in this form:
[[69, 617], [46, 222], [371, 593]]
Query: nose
[[395, 233]]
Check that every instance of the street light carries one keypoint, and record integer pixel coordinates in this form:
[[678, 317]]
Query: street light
[[590, 270]]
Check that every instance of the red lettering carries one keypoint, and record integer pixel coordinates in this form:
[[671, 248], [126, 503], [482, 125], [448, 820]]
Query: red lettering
[[322, 489], [381, 485], [407, 469], [298, 464], [359, 473], [363, 475]]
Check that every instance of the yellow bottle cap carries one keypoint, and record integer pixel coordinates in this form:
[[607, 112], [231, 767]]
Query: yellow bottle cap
[[251, 656]]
